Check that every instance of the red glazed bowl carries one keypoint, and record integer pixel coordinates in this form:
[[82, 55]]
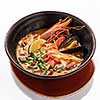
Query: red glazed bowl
[[51, 85]]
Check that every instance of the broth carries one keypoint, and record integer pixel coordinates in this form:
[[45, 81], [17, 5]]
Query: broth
[[42, 51]]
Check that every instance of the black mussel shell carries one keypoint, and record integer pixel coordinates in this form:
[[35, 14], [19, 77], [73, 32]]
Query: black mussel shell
[[71, 38], [78, 49]]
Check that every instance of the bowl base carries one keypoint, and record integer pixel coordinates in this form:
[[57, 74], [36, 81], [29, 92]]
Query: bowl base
[[69, 89]]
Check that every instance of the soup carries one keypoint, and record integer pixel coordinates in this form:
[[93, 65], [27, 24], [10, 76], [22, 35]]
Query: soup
[[52, 52]]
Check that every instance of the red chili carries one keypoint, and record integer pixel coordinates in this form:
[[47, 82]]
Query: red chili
[[52, 63], [54, 58], [46, 58], [60, 40]]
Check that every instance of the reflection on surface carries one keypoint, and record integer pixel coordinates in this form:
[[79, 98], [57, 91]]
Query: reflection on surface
[[35, 96]]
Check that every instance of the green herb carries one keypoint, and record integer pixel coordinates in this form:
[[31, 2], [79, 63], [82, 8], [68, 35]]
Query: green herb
[[58, 68], [51, 70], [39, 53], [29, 62], [44, 72], [47, 66], [35, 67], [40, 64], [22, 60]]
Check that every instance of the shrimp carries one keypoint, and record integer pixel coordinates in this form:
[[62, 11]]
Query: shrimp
[[56, 29]]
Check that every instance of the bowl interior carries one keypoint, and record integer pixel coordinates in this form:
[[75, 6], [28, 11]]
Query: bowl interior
[[45, 20]]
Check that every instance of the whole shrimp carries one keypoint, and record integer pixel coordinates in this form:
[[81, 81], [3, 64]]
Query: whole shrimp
[[56, 29]]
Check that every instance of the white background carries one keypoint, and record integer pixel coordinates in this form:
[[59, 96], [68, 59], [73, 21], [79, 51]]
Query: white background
[[13, 10]]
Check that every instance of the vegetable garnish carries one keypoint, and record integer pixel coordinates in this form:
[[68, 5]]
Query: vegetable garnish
[[39, 63]]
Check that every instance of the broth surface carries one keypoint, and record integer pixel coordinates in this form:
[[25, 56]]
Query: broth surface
[[42, 52]]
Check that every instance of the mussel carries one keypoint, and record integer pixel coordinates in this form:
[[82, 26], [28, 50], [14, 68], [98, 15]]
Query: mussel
[[73, 39], [72, 45], [81, 49]]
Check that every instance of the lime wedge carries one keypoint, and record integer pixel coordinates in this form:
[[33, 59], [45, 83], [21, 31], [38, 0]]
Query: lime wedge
[[36, 45]]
